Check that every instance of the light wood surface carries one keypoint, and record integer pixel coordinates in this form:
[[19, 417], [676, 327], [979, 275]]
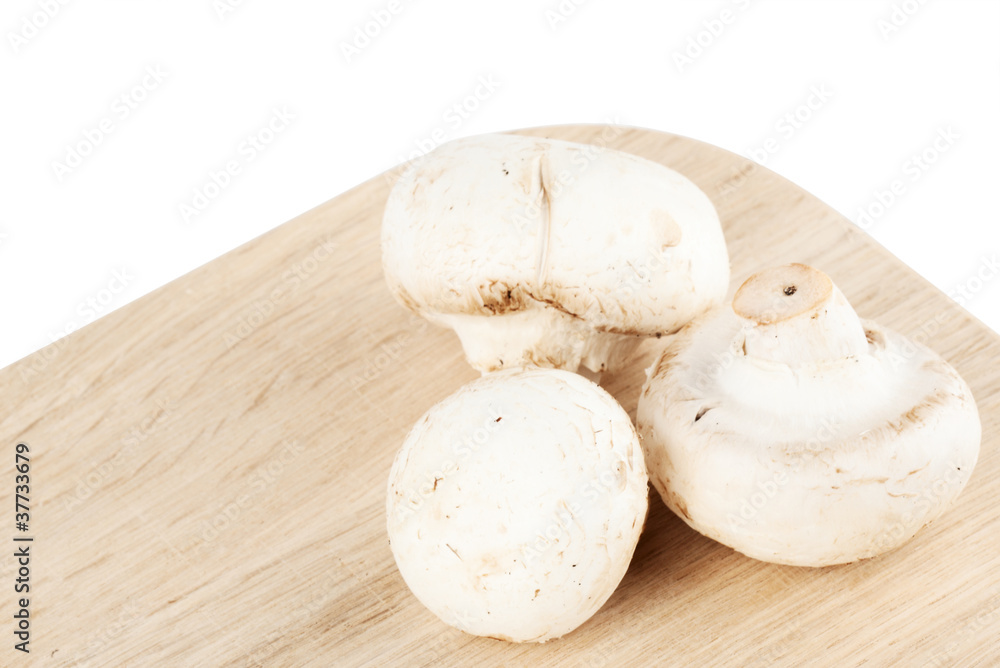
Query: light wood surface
[[209, 468]]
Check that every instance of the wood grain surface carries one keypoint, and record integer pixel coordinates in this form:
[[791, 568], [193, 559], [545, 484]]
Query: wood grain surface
[[209, 467]]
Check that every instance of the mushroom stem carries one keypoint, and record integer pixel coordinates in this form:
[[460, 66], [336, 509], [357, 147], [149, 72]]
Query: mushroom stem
[[538, 337], [795, 315]]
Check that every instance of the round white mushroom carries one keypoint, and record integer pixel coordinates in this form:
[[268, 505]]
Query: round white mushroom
[[788, 429], [515, 504], [550, 253]]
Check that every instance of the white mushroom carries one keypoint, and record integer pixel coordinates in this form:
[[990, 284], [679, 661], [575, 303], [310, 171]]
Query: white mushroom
[[551, 253], [790, 430], [515, 504]]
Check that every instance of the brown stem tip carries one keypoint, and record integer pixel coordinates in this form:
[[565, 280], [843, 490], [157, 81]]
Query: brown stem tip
[[780, 293]]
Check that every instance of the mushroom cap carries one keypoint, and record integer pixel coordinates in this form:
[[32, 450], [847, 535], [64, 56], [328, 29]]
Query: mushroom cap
[[545, 235], [515, 504], [806, 463]]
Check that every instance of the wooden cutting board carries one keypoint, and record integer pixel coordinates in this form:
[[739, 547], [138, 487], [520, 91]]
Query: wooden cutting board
[[209, 464]]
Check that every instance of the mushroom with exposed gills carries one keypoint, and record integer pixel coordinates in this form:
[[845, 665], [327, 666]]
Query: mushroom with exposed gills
[[792, 431]]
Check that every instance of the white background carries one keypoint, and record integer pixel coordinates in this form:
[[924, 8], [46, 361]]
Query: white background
[[108, 227]]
